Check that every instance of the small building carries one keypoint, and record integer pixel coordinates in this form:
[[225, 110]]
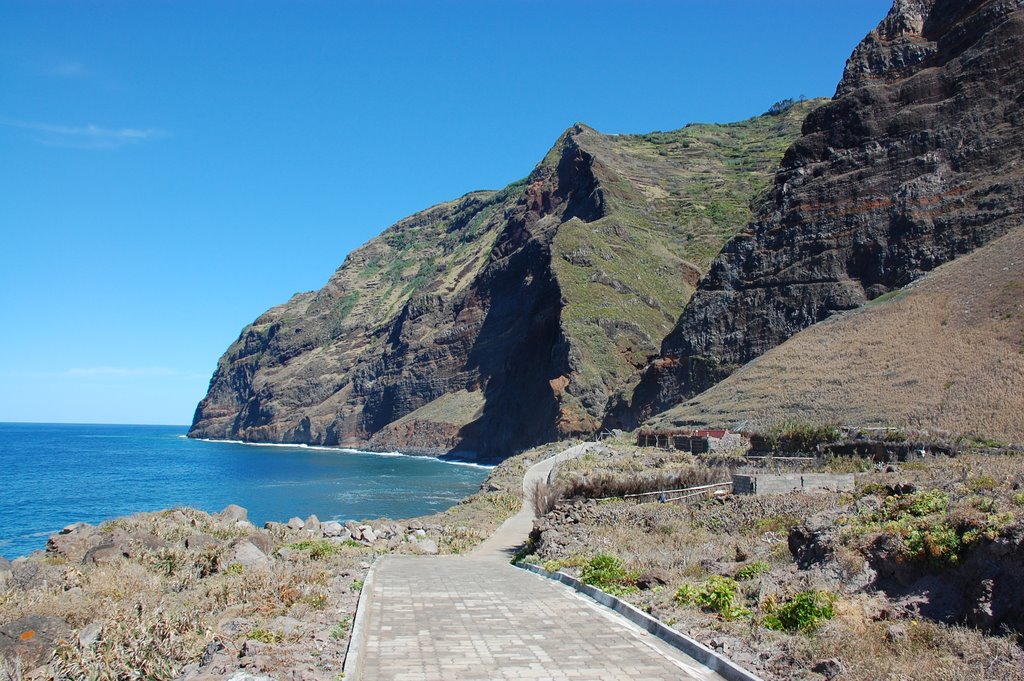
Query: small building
[[697, 441]]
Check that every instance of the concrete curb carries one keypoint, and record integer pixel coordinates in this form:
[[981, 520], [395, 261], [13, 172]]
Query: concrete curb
[[726, 668], [357, 639]]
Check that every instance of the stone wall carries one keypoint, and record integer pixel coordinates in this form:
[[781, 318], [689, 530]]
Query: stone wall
[[791, 482]]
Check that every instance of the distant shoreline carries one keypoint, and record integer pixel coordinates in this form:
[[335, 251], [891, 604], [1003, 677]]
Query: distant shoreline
[[347, 450]]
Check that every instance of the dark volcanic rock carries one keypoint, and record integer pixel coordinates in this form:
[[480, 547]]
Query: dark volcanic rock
[[32, 639], [501, 319], [915, 161]]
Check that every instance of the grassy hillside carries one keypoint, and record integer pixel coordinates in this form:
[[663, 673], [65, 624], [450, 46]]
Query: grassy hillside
[[944, 353], [672, 200]]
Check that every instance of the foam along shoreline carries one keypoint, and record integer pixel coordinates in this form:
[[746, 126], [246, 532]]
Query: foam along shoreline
[[345, 450]]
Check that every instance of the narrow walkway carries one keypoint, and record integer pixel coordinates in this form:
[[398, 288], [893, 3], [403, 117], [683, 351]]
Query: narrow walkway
[[477, 618]]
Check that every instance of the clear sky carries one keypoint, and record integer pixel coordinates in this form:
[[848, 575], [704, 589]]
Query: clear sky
[[172, 169]]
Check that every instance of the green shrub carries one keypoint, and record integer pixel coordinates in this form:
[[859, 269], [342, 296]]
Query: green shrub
[[804, 612], [356, 586], [917, 505], [938, 543], [606, 572], [264, 635], [982, 483], [755, 569], [718, 595]]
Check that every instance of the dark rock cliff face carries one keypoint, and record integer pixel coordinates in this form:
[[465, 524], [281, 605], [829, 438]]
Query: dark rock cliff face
[[502, 319], [915, 161], [330, 368]]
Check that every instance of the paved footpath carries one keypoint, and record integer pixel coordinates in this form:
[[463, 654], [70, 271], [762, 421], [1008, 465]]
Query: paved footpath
[[477, 618]]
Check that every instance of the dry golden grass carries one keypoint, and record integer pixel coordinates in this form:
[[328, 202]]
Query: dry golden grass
[[687, 544], [161, 607], [946, 353]]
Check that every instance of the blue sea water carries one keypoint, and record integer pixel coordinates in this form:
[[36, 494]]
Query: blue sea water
[[52, 475]]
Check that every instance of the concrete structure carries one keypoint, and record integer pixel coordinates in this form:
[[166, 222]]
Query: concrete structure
[[763, 483], [697, 441]]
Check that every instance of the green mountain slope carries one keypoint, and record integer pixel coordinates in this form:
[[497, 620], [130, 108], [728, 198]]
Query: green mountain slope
[[502, 319]]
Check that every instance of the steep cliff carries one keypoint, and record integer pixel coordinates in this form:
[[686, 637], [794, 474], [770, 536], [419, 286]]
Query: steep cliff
[[916, 161], [502, 319], [945, 353]]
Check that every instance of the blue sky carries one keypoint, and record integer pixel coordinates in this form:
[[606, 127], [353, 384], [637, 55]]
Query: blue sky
[[172, 169]]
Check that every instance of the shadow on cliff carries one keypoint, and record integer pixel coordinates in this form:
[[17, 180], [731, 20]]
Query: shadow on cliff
[[517, 353]]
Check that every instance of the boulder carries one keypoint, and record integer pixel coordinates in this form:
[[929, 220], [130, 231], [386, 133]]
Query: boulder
[[233, 513], [896, 633], [296, 523], [652, 578], [263, 541], [426, 546], [32, 639], [74, 541], [248, 555], [89, 634], [331, 528], [830, 668], [105, 554], [198, 542], [312, 525], [367, 533]]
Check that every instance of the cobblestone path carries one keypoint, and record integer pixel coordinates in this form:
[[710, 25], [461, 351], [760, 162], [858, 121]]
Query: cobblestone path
[[477, 618]]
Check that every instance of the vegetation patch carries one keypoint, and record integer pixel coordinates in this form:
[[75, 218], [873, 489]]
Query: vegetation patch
[[803, 612], [606, 572]]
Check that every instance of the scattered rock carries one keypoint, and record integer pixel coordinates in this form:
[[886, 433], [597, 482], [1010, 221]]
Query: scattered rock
[[263, 541], [105, 554], [32, 638], [830, 668], [426, 546], [198, 542], [248, 555], [234, 513], [896, 633], [652, 578], [89, 634]]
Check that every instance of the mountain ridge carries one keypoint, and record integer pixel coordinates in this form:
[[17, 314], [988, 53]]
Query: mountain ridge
[[916, 161], [510, 317]]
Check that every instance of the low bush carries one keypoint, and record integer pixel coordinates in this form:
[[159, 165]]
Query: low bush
[[718, 595], [606, 572], [804, 612], [755, 569]]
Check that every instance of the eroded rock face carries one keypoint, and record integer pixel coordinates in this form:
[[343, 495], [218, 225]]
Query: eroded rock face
[[502, 319], [916, 161]]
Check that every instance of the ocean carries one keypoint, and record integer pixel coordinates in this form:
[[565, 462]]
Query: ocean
[[52, 475]]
